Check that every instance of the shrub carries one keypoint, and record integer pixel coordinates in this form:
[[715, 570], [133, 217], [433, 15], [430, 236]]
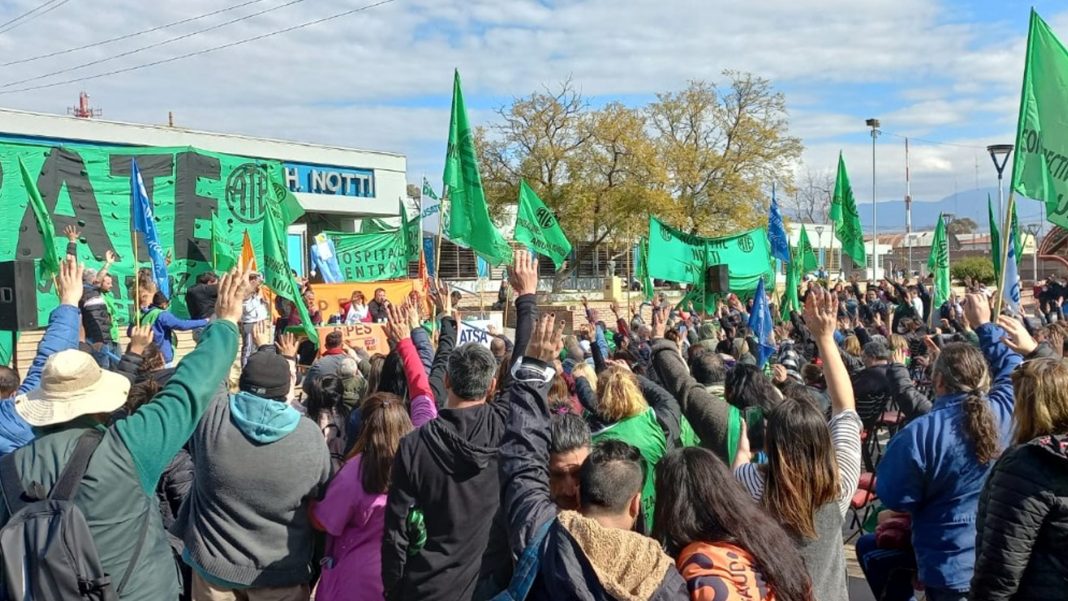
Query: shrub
[[980, 269]]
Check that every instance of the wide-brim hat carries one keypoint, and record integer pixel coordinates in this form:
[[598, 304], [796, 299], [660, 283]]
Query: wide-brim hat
[[72, 385]]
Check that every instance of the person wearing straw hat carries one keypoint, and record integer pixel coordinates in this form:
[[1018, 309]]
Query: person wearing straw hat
[[117, 493]]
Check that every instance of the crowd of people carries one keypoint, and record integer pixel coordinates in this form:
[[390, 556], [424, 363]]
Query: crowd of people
[[659, 454]]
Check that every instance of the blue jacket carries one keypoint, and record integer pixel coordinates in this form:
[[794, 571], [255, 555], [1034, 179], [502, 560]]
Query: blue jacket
[[62, 334], [164, 325], [930, 471]]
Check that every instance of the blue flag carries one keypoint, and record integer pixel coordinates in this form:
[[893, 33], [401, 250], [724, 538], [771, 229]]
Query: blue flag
[[1011, 291], [483, 267], [429, 256], [141, 219], [780, 244], [760, 324]]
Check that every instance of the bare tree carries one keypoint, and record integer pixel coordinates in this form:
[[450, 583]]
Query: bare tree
[[811, 198]]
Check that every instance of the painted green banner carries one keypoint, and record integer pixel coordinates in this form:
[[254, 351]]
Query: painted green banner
[[371, 257], [679, 257], [89, 187]]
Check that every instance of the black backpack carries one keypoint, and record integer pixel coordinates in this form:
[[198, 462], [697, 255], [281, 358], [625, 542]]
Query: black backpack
[[46, 550]]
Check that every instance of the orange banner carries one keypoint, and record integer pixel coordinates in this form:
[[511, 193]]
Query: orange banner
[[371, 337], [330, 296]]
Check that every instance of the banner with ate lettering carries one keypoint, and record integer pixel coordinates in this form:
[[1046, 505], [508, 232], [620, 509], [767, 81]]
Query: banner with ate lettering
[[88, 186]]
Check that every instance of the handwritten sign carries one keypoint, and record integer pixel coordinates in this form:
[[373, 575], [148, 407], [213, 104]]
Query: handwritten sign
[[371, 337]]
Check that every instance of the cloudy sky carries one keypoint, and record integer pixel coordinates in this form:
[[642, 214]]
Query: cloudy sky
[[944, 72]]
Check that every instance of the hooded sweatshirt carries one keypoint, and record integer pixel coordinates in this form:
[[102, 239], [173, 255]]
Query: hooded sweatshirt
[[447, 469], [258, 465]]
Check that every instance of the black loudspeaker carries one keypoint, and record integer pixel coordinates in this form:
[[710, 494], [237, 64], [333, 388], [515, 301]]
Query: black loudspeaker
[[718, 279], [18, 296]]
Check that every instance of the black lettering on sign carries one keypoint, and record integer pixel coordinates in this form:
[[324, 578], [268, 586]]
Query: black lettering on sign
[[190, 206], [62, 167]]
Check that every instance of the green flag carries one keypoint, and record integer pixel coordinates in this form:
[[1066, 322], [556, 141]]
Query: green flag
[[371, 257], [643, 269], [938, 264], [1014, 231], [679, 257], [790, 301], [537, 227], [370, 225], [846, 219], [428, 191], [995, 239], [49, 266], [469, 221], [277, 273], [805, 254], [1040, 166], [222, 254]]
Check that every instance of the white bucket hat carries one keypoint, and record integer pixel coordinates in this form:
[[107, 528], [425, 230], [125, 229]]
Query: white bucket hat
[[72, 385]]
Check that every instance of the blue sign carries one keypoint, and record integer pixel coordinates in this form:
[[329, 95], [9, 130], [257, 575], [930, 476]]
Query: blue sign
[[324, 179]]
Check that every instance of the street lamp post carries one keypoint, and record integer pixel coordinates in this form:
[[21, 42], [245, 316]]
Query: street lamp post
[[1033, 229], [948, 219], [874, 125], [999, 153], [819, 240]]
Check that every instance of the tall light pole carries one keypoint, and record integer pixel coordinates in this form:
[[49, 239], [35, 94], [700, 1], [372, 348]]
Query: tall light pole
[[874, 125], [999, 153], [819, 240], [948, 218], [908, 206], [1033, 229]]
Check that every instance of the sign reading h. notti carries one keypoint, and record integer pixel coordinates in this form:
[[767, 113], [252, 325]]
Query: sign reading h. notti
[[322, 179]]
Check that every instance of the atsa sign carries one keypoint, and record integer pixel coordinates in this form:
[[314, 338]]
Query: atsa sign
[[323, 179]]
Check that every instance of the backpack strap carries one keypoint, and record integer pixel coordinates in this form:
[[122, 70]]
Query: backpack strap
[[70, 478], [12, 484]]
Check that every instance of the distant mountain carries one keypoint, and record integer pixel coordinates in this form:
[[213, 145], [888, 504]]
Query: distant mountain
[[968, 203]]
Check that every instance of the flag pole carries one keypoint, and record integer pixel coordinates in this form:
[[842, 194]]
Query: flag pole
[[137, 280], [1004, 252], [441, 224]]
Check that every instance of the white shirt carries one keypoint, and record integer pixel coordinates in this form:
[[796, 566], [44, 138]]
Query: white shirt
[[254, 310]]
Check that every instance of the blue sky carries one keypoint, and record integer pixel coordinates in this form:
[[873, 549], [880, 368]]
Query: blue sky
[[945, 71]]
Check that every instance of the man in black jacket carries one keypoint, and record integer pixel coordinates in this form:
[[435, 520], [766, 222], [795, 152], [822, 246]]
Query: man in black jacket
[[592, 553], [447, 470], [200, 299]]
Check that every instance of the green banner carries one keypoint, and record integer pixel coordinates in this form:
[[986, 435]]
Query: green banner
[[805, 254], [846, 219], [537, 227], [938, 264], [1040, 165], [371, 257], [89, 187], [679, 257]]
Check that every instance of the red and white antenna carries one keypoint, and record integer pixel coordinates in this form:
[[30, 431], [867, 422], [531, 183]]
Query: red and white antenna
[[83, 110]]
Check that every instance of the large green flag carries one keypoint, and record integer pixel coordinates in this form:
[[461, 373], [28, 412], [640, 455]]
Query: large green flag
[[1040, 166], [277, 273], [469, 220], [49, 265], [537, 227], [938, 264], [805, 253], [643, 269], [222, 254], [846, 219], [679, 257], [995, 239]]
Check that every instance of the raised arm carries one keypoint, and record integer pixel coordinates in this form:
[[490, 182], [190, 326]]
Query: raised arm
[[524, 454], [446, 342], [667, 409], [523, 277], [169, 320], [63, 323], [154, 433], [423, 408]]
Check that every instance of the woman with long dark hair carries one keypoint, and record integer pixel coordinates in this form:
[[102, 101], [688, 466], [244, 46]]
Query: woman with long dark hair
[[352, 512], [323, 401], [721, 539], [934, 469], [813, 467]]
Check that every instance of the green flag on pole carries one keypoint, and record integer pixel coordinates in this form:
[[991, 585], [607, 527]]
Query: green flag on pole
[[412, 230], [805, 253], [846, 219], [1014, 231], [938, 264], [277, 273], [222, 254], [790, 300], [469, 220], [995, 239], [1040, 166], [642, 270], [537, 227], [429, 191], [49, 265]]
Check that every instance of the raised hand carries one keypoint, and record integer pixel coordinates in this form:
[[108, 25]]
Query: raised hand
[[614, 308], [69, 281], [397, 328], [1016, 336], [110, 257], [660, 319], [233, 288], [262, 333], [976, 309], [821, 312], [140, 337], [523, 274], [287, 345], [71, 233], [547, 339]]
